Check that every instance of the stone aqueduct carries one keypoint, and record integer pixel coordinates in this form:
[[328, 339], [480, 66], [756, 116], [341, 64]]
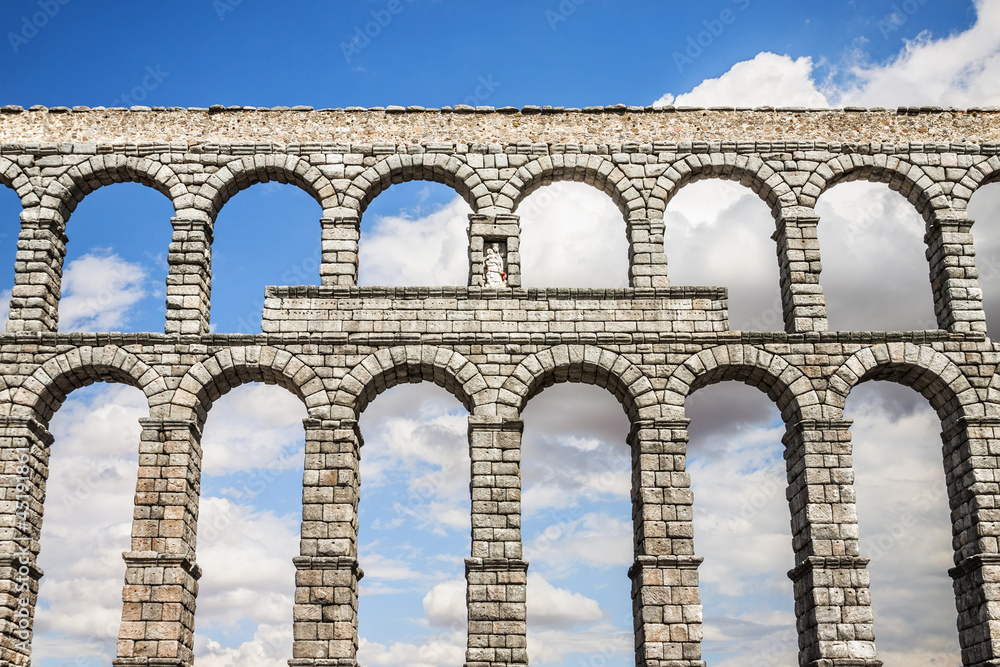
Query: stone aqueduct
[[337, 346]]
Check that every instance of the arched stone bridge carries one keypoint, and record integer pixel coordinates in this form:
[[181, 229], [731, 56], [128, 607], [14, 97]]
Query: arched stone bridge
[[337, 346]]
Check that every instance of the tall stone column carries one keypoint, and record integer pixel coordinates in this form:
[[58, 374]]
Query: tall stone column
[[189, 281], [339, 263], [34, 301], [951, 254], [502, 229], [496, 574], [24, 453], [647, 261], [327, 573], [971, 461], [802, 300], [666, 604], [831, 582], [161, 575]]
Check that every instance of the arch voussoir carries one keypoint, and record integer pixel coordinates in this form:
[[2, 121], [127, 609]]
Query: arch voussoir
[[386, 368], [925, 370], [782, 382]]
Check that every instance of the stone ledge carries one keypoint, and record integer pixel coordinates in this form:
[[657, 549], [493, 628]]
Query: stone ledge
[[13, 561], [679, 562], [218, 340], [519, 293], [813, 563], [157, 559], [974, 563], [495, 565], [305, 563]]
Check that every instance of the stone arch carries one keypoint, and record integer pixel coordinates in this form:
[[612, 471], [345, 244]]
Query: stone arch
[[12, 176], [923, 369], [908, 179], [595, 170], [748, 171], [63, 195], [41, 394], [238, 175], [783, 383], [402, 168], [413, 363], [208, 380], [982, 173], [587, 364]]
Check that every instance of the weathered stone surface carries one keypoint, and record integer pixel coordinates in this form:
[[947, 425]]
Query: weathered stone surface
[[338, 346]]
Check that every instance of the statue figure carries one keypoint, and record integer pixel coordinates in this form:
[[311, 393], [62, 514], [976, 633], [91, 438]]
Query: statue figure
[[493, 266]]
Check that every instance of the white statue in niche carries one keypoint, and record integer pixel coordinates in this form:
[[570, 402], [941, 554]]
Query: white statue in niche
[[493, 265]]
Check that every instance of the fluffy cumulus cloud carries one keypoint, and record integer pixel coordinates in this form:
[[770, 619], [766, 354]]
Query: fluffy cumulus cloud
[[958, 70], [572, 236], [98, 291], [405, 249], [905, 524], [254, 427], [246, 593], [953, 70], [91, 483], [768, 79]]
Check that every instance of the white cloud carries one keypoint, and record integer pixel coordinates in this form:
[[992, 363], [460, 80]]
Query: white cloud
[[572, 235], [416, 449], [592, 539], [768, 79], [439, 650], [904, 520], [378, 566], [952, 70], [573, 452], [741, 526], [248, 582], [424, 250], [88, 520], [719, 233], [597, 644], [984, 207], [444, 604], [551, 608], [254, 426], [875, 275], [98, 291], [958, 70], [269, 647]]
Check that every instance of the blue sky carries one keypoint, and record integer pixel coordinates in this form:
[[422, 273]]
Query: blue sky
[[414, 511], [430, 53]]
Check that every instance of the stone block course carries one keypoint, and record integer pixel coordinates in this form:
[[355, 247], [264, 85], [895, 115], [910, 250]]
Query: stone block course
[[337, 346]]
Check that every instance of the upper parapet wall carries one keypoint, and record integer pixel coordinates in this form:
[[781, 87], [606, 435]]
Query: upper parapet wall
[[486, 125]]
